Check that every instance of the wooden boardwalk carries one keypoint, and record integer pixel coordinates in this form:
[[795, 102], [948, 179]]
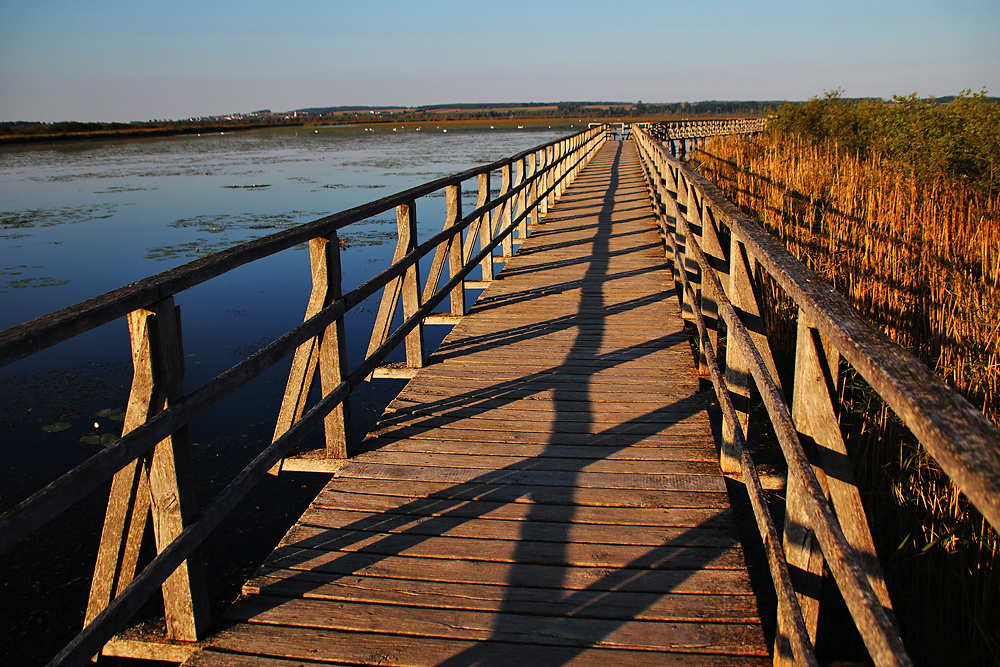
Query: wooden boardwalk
[[545, 492]]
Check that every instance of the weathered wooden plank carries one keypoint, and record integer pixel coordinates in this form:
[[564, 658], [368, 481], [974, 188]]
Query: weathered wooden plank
[[520, 550], [616, 515], [527, 600], [653, 575], [610, 437], [682, 452], [508, 427], [611, 396], [482, 461], [506, 493], [567, 530], [719, 638], [553, 376], [560, 418], [356, 648], [569, 410], [583, 479]]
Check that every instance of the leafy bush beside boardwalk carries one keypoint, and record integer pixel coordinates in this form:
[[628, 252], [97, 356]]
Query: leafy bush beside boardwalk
[[959, 139]]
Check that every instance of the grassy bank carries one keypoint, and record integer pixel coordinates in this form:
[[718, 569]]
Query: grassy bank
[[898, 206]]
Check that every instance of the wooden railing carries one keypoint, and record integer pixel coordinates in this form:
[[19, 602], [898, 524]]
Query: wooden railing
[[717, 253], [691, 129], [679, 135], [150, 465]]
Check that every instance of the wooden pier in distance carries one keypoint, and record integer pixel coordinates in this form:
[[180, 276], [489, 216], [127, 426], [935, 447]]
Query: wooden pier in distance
[[545, 491]]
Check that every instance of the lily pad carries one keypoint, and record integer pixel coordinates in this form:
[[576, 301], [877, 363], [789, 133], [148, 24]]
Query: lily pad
[[103, 439], [114, 414], [58, 427]]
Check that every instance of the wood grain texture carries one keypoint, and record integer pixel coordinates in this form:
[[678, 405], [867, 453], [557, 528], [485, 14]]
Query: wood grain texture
[[545, 491]]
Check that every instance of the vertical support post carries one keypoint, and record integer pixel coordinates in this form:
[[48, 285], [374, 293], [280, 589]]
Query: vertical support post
[[406, 223], [533, 188], [687, 308], [738, 378], [805, 564], [327, 351], [550, 178], [504, 217], [325, 256], [522, 176], [485, 225], [816, 370], [742, 294], [159, 485], [543, 178], [561, 149], [713, 250], [693, 267], [453, 194], [171, 488]]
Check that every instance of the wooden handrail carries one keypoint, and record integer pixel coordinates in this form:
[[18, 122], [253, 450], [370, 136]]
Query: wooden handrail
[[960, 438], [691, 129], [538, 185], [963, 440]]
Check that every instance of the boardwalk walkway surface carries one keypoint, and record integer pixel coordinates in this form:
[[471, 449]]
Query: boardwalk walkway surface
[[545, 492]]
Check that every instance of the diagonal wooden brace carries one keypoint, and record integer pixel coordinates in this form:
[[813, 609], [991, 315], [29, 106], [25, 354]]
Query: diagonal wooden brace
[[159, 485]]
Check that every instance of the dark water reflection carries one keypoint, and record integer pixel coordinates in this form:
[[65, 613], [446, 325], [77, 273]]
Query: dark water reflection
[[80, 219]]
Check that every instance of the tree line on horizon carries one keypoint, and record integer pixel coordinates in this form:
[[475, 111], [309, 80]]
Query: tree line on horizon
[[37, 130]]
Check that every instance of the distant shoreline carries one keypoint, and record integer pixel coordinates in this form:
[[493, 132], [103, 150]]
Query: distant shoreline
[[533, 122]]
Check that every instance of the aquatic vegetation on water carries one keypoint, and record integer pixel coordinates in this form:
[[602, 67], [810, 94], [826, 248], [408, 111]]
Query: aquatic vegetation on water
[[114, 414], [33, 281], [58, 427], [368, 237], [66, 215]]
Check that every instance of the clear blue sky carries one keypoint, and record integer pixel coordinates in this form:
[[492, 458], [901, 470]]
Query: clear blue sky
[[142, 59]]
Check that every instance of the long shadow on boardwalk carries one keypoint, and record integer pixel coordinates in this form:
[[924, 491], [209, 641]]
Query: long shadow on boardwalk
[[560, 598]]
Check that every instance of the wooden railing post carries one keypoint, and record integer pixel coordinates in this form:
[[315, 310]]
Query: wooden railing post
[[485, 225], [160, 484], [690, 266], [545, 167], [743, 295], [532, 191], [328, 352], [455, 260], [712, 247], [406, 222], [387, 306], [561, 150], [504, 216], [523, 174], [816, 371], [333, 348]]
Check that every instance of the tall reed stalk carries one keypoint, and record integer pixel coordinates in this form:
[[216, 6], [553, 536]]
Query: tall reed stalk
[[918, 253]]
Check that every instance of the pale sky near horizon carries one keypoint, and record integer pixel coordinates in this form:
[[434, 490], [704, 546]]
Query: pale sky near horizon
[[118, 60]]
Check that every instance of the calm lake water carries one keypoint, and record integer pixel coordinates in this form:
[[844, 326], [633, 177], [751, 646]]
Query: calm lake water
[[79, 219]]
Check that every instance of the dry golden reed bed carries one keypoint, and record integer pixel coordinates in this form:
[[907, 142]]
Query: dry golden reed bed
[[921, 258], [909, 232]]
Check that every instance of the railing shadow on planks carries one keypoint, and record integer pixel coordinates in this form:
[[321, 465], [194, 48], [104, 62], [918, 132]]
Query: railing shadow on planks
[[150, 468], [717, 255]]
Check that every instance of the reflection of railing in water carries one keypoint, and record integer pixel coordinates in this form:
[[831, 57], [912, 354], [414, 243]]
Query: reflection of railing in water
[[150, 465], [824, 517]]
